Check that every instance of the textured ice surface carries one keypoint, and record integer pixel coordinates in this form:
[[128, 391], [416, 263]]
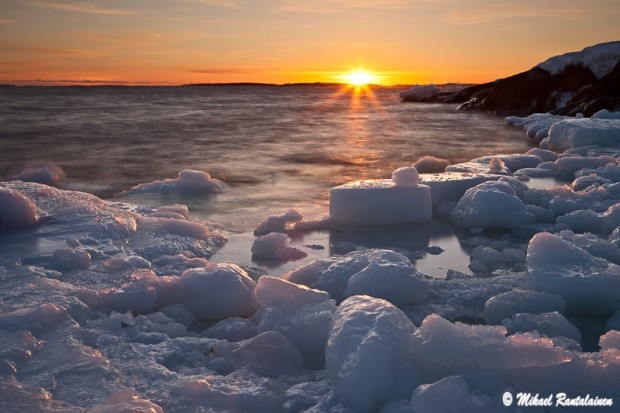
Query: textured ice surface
[[506, 305], [379, 202], [367, 339]]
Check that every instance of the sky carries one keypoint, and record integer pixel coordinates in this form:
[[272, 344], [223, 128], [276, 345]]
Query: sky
[[283, 41]]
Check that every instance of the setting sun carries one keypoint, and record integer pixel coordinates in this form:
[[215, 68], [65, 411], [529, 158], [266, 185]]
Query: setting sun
[[359, 77]]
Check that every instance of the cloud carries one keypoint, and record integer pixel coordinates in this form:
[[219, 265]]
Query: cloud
[[85, 82], [7, 21], [81, 7], [227, 4], [497, 12], [330, 6], [217, 70], [49, 50], [127, 38]]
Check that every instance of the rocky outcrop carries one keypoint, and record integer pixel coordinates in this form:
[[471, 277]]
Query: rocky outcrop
[[581, 82]]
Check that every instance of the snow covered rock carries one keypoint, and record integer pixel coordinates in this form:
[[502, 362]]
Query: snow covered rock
[[366, 341], [588, 284], [491, 205], [16, 210], [431, 164], [380, 202], [218, 291]]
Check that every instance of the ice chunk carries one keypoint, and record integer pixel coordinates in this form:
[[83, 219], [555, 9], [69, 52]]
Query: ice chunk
[[307, 327], [48, 175], [269, 354], [583, 220], [16, 210], [232, 329], [218, 291], [189, 181], [386, 273], [497, 166], [507, 304], [367, 339], [126, 401], [492, 205], [574, 133], [275, 292], [450, 186], [33, 319], [544, 154], [390, 276], [611, 340], [447, 395], [275, 247], [611, 218], [440, 347], [588, 284], [70, 259], [278, 223], [431, 164], [550, 324], [379, 202], [406, 176]]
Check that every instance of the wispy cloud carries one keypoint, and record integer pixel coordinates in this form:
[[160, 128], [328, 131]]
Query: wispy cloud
[[217, 70], [330, 6], [497, 12], [49, 50], [7, 21], [127, 38], [81, 7], [227, 4], [84, 82]]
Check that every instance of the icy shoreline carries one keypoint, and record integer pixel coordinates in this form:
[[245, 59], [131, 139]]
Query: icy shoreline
[[113, 307]]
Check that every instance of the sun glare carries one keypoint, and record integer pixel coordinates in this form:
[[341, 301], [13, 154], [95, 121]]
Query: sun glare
[[359, 78]]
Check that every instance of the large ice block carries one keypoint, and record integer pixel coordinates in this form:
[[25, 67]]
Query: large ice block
[[379, 202]]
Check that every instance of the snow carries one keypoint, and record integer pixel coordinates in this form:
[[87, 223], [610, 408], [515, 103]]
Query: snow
[[406, 176], [600, 59], [420, 92], [379, 202]]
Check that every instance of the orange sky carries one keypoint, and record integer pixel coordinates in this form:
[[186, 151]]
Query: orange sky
[[280, 41]]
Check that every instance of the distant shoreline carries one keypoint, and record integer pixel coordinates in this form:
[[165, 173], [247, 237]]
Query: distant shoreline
[[231, 84]]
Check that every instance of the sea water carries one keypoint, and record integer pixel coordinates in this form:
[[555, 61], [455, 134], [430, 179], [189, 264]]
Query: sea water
[[276, 147]]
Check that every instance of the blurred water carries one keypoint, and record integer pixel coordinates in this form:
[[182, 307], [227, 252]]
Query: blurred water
[[277, 147]]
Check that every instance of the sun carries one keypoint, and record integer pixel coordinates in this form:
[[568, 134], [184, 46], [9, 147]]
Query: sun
[[359, 77]]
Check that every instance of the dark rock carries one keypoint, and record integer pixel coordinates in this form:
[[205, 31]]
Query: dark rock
[[538, 90]]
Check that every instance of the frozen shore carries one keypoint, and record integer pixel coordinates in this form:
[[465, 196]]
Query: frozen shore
[[108, 306]]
